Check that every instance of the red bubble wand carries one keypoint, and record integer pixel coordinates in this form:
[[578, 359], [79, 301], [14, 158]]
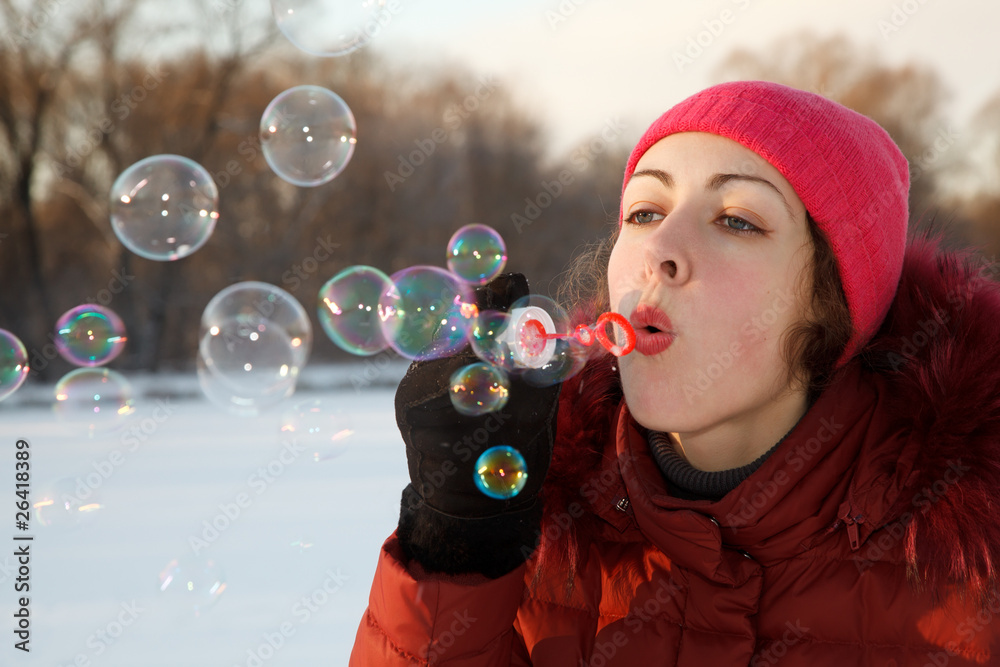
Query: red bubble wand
[[534, 336]]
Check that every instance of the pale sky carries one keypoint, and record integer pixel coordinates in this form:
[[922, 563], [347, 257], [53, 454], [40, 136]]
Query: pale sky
[[576, 64]]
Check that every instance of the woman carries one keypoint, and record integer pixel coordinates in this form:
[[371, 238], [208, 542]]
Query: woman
[[796, 466]]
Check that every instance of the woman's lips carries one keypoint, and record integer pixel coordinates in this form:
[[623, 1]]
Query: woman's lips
[[653, 331]]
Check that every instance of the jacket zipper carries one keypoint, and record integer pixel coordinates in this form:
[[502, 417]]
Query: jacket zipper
[[852, 521]]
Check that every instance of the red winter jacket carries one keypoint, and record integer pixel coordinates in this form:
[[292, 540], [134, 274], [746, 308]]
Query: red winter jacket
[[869, 537]]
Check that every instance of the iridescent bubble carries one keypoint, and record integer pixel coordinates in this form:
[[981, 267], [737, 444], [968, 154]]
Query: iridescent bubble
[[94, 401], [13, 363], [164, 207], [348, 309], [66, 503], [485, 337], [254, 341], [479, 388], [542, 361], [322, 427], [501, 472], [476, 254], [89, 335], [307, 135], [329, 27], [192, 583], [427, 312]]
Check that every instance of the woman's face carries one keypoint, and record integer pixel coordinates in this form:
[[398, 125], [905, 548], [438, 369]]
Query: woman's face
[[716, 240]]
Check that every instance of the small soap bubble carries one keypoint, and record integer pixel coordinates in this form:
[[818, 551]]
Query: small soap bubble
[[255, 339], [476, 254], [485, 338], [90, 335], [307, 135], [94, 401], [164, 207], [348, 309], [427, 312], [13, 363], [66, 504], [325, 430], [501, 472], [479, 388], [329, 27], [192, 584]]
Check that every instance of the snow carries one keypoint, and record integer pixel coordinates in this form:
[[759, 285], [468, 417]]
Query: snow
[[298, 543]]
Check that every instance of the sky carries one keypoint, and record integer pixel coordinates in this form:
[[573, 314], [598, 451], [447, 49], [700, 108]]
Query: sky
[[579, 64]]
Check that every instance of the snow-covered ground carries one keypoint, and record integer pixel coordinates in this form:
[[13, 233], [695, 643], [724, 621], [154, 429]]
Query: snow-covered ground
[[295, 540]]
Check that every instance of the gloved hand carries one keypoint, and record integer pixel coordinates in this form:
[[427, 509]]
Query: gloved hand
[[446, 523]]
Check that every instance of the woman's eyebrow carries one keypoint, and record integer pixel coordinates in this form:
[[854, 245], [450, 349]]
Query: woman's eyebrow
[[716, 182], [719, 180]]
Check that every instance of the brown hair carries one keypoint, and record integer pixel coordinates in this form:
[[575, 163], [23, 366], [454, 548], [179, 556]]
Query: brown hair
[[811, 347]]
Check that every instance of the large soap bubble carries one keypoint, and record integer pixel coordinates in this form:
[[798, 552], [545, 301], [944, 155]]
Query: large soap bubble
[[348, 309], [164, 207], [13, 363], [329, 27], [254, 340], [307, 135], [427, 312]]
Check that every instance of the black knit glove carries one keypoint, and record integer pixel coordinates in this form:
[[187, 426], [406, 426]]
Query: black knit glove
[[446, 523]]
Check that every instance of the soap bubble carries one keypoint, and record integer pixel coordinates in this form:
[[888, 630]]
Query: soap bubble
[[13, 363], [94, 401], [325, 429], [348, 309], [543, 362], [485, 333], [427, 312], [329, 27], [89, 335], [66, 504], [479, 388], [501, 472], [307, 135], [192, 584], [476, 254], [255, 339], [164, 207]]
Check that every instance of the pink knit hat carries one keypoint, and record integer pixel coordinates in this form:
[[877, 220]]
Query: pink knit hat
[[845, 168]]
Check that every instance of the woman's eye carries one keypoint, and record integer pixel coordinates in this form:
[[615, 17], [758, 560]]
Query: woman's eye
[[643, 217], [740, 226]]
